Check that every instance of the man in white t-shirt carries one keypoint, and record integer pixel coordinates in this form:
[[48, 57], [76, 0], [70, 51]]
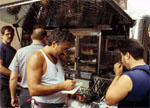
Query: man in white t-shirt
[[18, 67]]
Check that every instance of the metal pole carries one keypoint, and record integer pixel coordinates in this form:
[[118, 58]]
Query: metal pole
[[16, 26], [99, 52]]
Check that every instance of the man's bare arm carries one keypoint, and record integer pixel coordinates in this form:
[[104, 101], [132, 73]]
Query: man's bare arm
[[13, 86], [34, 75], [4, 70], [119, 88]]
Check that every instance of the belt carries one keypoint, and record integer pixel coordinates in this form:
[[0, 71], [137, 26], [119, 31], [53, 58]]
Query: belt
[[24, 92]]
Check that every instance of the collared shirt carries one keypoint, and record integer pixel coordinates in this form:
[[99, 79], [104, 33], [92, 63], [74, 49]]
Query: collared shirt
[[19, 62]]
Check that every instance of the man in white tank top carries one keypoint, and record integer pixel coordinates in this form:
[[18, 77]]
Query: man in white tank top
[[45, 74]]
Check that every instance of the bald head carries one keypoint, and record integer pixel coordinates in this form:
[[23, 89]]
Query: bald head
[[38, 34]]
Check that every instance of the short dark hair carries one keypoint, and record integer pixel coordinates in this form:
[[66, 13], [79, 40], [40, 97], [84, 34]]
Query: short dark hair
[[39, 33], [9, 28], [133, 46], [60, 35]]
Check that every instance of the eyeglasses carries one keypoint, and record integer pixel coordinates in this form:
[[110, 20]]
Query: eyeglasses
[[65, 49]]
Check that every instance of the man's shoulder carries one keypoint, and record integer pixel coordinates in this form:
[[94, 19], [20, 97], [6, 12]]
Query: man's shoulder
[[25, 49], [13, 49], [5, 47], [30, 48], [37, 55], [138, 72], [1, 45], [145, 68]]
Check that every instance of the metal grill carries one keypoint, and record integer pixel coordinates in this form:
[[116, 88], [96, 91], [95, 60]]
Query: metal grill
[[99, 86]]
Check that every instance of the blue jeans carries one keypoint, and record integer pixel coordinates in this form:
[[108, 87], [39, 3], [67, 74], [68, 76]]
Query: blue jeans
[[23, 97], [5, 99]]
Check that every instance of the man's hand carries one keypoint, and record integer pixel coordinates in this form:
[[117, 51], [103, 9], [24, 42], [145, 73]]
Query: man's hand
[[14, 102], [118, 68], [3, 69], [69, 84]]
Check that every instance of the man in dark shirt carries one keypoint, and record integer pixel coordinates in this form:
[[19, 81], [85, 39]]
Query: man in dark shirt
[[7, 53], [130, 89]]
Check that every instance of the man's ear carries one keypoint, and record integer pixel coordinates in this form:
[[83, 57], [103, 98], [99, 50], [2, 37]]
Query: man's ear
[[127, 56], [54, 44], [44, 39]]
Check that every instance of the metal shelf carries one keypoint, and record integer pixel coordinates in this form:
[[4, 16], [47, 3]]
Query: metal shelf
[[88, 45], [87, 62], [86, 54], [87, 51], [87, 71]]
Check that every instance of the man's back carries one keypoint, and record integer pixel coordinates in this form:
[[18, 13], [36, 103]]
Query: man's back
[[139, 96], [130, 87], [19, 62], [18, 67]]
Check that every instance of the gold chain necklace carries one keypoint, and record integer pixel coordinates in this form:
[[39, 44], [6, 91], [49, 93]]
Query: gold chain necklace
[[56, 68]]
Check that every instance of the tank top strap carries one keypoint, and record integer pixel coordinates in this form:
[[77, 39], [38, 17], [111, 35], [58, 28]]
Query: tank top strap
[[47, 59], [45, 56]]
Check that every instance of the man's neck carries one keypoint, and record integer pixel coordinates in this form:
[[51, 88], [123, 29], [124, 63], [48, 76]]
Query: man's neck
[[49, 52], [38, 41], [137, 63], [6, 43]]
